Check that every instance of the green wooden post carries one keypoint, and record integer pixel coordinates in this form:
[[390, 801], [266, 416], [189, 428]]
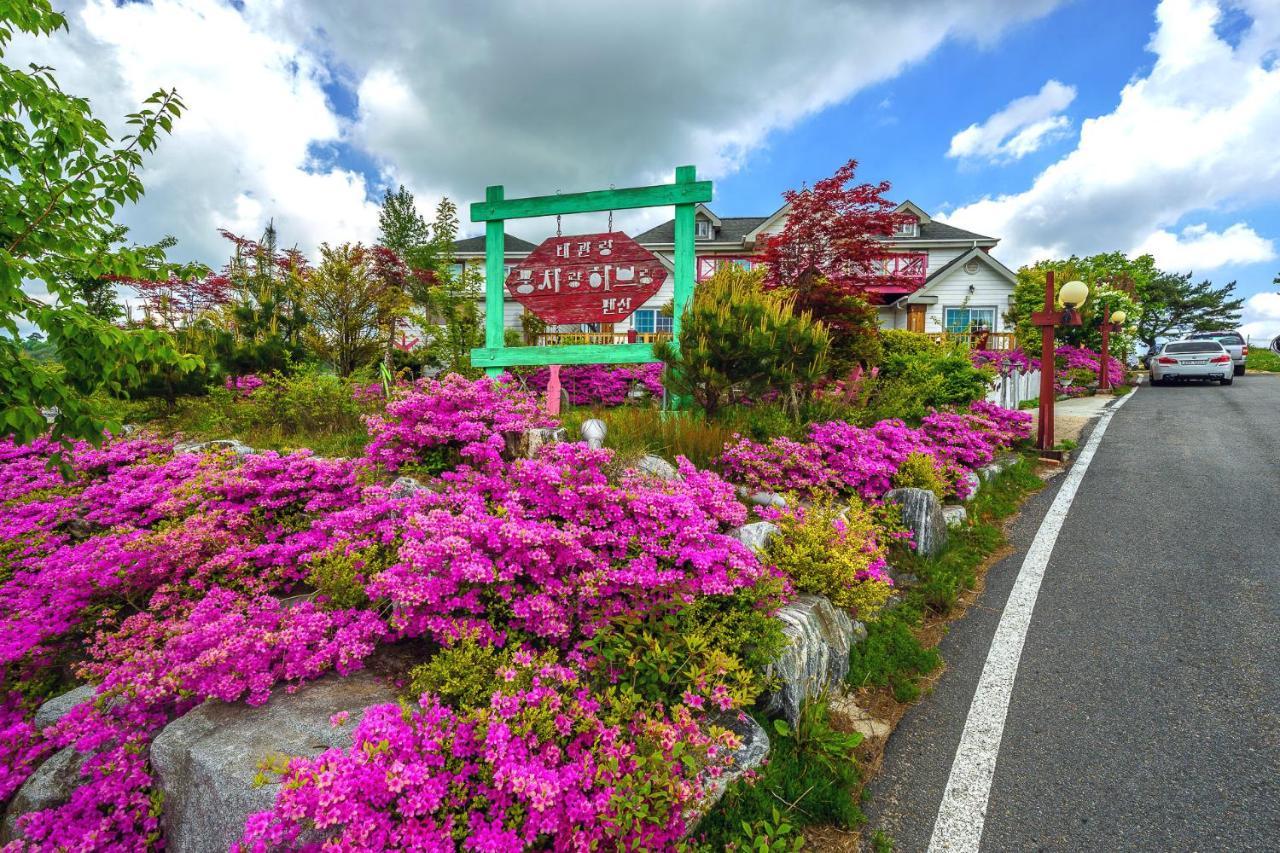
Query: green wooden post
[[495, 251], [685, 253]]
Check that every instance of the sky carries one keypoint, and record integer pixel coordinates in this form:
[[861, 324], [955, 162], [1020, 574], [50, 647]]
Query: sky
[[1060, 126]]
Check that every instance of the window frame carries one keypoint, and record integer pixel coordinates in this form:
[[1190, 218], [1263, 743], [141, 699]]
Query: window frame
[[702, 229], [947, 309]]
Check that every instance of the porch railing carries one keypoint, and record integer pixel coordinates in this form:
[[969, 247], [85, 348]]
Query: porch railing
[[998, 341]]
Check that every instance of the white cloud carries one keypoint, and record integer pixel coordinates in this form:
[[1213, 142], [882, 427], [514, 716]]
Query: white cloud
[[1261, 318], [1025, 125], [1197, 133], [1198, 248]]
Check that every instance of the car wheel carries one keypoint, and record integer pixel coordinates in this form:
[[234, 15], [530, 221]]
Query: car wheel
[[1155, 381], [1226, 381], [1239, 370]]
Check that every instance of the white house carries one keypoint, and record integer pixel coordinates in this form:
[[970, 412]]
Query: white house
[[944, 278]]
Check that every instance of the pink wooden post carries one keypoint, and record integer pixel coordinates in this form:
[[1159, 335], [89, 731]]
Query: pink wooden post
[[553, 391]]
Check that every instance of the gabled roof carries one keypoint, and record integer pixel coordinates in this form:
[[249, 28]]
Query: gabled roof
[[958, 262], [932, 231], [472, 245], [915, 210], [732, 230], [706, 211], [768, 221]]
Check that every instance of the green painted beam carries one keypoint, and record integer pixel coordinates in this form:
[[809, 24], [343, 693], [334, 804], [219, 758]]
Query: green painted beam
[[499, 357], [693, 192], [495, 250]]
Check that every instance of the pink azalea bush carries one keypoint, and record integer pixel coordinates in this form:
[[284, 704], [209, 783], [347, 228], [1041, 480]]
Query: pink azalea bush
[[243, 385], [841, 458], [468, 416], [601, 384], [1066, 359]]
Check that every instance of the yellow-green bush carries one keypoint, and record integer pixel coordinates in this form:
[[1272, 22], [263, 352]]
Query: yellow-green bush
[[920, 471], [463, 675], [834, 551]]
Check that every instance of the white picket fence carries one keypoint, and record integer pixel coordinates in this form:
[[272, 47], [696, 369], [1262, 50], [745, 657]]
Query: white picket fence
[[1015, 388]]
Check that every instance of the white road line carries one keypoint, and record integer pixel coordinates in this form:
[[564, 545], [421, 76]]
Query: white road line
[[958, 828]]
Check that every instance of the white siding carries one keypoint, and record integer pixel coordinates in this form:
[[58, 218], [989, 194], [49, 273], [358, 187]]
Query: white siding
[[938, 258], [990, 289]]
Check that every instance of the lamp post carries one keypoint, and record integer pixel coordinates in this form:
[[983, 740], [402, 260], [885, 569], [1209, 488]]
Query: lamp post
[[1114, 323], [1072, 296]]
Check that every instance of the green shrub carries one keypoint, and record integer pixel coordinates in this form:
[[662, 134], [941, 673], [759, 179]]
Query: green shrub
[[920, 471], [462, 675], [693, 648], [918, 374], [737, 338], [834, 551], [341, 576], [1261, 358], [892, 655]]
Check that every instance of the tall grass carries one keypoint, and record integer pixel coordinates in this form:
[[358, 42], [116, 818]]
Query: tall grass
[[634, 431]]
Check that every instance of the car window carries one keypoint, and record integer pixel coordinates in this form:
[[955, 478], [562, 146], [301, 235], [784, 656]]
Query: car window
[[1227, 338], [1194, 346]]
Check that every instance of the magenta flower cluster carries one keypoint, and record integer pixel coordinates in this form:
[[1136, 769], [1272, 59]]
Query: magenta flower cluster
[[841, 458], [601, 384], [471, 417], [1080, 358], [243, 385], [1066, 358], [165, 576]]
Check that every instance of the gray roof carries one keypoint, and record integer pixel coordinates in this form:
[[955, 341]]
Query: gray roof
[[476, 244], [732, 230]]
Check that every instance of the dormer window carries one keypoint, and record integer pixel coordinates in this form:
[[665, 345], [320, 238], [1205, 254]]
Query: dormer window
[[702, 229], [908, 226]]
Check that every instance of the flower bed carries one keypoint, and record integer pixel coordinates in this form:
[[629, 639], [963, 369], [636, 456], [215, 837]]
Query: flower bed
[[601, 384], [1071, 366]]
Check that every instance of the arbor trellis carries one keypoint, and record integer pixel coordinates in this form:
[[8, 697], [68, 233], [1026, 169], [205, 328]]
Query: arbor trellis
[[685, 194]]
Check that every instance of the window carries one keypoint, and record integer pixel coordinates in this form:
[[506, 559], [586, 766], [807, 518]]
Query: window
[[1206, 346], [1230, 339], [905, 227], [702, 229], [962, 320], [647, 321]]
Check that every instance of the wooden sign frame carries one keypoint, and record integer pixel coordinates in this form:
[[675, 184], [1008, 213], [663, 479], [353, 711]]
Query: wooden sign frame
[[685, 194]]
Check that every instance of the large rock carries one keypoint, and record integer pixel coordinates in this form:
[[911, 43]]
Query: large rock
[[206, 761], [239, 448], [49, 786], [922, 515], [59, 706], [761, 498], [816, 658], [532, 440], [656, 466], [955, 516], [757, 535]]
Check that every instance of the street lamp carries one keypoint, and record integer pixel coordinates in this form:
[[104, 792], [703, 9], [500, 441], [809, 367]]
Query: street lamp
[[1108, 325], [1072, 296]]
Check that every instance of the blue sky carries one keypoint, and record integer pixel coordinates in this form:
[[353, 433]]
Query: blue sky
[[1060, 126]]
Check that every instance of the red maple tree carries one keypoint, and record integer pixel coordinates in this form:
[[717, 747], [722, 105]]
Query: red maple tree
[[831, 233]]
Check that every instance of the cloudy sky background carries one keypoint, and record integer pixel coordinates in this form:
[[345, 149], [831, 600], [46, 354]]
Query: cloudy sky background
[[1057, 126]]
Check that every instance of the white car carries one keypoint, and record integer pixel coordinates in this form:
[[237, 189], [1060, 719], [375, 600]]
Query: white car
[[1192, 360]]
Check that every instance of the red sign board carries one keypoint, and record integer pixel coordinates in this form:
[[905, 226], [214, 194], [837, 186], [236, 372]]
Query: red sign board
[[586, 278]]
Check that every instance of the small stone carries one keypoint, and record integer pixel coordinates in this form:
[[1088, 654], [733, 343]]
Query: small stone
[[846, 713], [59, 706], [761, 498], [757, 535], [656, 466], [815, 660], [975, 483], [955, 516], [922, 515], [593, 432]]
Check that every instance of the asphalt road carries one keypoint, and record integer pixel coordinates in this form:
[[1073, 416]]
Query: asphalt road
[[1146, 710]]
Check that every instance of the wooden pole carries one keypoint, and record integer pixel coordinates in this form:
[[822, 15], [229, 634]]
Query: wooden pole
[[495, 251], [1044, 432]]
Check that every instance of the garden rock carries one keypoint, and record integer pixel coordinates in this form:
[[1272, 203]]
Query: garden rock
[[761, 498], [847, 715], [747, 757], [239, 448], [955, 516], [656, 466], [975, 483], [59, 706], [815, 660], [532, 440], [756, 536], [922, 515], [403, 487], [51, 785], [206, 761]]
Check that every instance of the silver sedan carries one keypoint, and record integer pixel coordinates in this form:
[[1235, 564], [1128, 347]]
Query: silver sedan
[[1192, 360]]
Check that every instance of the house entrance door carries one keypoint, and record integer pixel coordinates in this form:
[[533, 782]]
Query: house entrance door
[[915, 318]]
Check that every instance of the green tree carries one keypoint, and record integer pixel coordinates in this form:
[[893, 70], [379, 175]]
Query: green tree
[[347, 303], [400, 227], [737, 337], [1114, 281], [263, 320], [62, 179], [1170, 306], [452, 299]]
